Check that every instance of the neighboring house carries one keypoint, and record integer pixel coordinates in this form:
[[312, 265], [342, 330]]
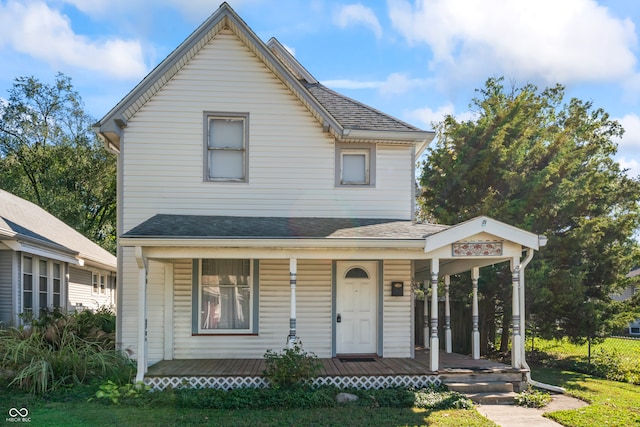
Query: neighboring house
[[44, 263], [258, 207], [633, 328]]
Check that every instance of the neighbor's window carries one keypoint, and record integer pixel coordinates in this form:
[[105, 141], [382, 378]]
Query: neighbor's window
[[95, 280], [27, 285], [41, 284], [57, 285], [225, 295], [226, 147], [355, 165]]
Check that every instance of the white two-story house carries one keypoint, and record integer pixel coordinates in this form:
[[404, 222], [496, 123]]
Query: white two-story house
[[258, 207]]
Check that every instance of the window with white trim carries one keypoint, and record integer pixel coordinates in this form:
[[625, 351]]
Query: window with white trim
[[355, 165], [226, 153], [95, 280], [27, 285], [46, 291], [57, 285], [43, 285], [225, 296], [99, 283]]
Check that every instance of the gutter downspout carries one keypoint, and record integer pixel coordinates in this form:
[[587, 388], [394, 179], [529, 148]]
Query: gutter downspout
[[531, 381]]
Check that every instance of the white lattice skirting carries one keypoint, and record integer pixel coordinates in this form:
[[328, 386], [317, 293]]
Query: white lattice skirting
[[228, 383]]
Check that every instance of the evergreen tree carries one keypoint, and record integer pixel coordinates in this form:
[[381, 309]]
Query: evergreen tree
[[533, 161]]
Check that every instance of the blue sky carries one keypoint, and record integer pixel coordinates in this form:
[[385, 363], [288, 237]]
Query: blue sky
[[414, 59]]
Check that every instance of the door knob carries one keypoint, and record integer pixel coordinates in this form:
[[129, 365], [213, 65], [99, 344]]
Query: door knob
[[339, 319]]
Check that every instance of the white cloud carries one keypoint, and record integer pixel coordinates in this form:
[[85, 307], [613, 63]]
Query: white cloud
[[45, 34], [357, 14], [631, 165], [558, 41], [631, 138], [427, 116], [629, 144], [399, 83], [395, 84]]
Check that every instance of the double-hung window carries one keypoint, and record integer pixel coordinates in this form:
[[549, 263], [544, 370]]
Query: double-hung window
[[41, 284], [355, 165], [226, 147], [27, 285], [225, 296]]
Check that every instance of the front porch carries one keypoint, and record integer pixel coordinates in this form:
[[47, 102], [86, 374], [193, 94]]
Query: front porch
[[365, 372]]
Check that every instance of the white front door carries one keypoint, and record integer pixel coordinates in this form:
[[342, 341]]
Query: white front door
[[356, 308]]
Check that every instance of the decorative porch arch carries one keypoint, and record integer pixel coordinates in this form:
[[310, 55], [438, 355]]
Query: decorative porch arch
[[468, 246]]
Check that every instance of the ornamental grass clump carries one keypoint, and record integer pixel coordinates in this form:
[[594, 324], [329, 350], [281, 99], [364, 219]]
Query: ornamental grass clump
[[58, 350]]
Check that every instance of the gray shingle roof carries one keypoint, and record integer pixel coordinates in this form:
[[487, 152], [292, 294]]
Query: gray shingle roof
[[352, 114], [218, 227], [21, 219]]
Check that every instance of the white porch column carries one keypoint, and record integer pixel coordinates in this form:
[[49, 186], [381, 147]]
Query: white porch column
[[516, 343], [293, 268], [434, 343], [475, 333], [425, 317], [142, 314], [447, 315]]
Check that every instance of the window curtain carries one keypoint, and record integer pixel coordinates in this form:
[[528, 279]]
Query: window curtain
[[225, 294]]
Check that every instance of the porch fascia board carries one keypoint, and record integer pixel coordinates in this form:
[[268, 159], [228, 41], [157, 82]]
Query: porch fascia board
[[276, 252], [341, 242], [479, 225]]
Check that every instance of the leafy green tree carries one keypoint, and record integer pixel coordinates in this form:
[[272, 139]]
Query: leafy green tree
[[49, 155], [531, 160]]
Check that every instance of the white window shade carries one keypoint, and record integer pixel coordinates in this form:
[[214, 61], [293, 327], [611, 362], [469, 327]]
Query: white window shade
[[226, 133], [355, 167]]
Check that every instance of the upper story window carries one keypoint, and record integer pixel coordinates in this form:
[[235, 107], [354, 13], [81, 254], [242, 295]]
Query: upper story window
[[226, 147], [355, 165]]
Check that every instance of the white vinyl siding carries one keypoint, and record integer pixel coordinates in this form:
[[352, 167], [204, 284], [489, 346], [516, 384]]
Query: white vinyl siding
[[82, 294], [313, 308], [291, 160], [398, 339], [6, 291], [128, 302], [155, 311]]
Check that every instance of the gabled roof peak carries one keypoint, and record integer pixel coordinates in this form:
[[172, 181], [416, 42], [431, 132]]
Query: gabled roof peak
[[289, 61], [347, 120]]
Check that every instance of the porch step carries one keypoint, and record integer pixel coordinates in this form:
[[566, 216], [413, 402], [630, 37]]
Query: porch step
[[481, 387], [516, 378], [492, 398]]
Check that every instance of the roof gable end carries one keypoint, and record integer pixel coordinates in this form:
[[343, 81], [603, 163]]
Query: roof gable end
[[484, 224], [321, 103]]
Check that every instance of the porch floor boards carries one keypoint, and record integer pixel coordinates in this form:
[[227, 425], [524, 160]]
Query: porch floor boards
[[449, 362]]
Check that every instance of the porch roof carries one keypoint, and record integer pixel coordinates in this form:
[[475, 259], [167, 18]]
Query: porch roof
[[165, 226]]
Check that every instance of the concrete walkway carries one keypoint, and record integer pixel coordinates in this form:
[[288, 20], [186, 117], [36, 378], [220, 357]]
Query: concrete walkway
[[517, 416]]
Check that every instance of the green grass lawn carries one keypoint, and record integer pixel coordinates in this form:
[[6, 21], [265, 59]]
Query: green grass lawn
[[611, 403], [72, 409]]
